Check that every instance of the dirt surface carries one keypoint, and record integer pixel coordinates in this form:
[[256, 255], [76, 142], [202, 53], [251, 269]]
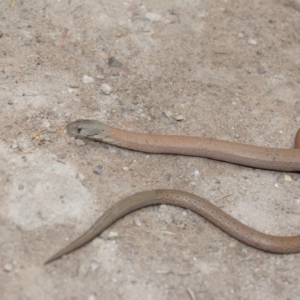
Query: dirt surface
[[222, 69]]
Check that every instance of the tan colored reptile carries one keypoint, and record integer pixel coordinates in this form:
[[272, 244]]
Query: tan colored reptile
[[241, 154], [253, 156]]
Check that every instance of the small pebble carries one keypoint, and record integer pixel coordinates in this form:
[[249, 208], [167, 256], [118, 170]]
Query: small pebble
[[179, 118], [94, 266], [10, 102], [112, 150], [118, 101], [137, 223], [80, 142], [153, 17], [164, 272], [74, 85], [8, 267], [287, 178], [81, 177], [113, 234], [87, 79], [45, 123], [114, 63], [168, 114], [240, 35], [105, 88], [169, 176], [98, 170], [261, 70], [252, 42], [125, 168], [196, 173]]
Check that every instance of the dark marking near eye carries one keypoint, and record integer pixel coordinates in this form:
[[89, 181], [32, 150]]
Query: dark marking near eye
[[79, 130]]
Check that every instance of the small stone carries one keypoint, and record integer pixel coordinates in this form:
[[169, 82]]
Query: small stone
[[153, 17], [94, 266], [261, 70], [74, 85], [87, 79], [164, 272], [81, 177], [98, 170], [8, 267], [168, 114], [179, 118], [252, 42], [287, 178], [125, 168], [80, 142], [113, 234], [112, 150], [45, 123], [118, 101], [105, 88], [10, 102], [240, 35], [196, 173], [92, 297], [137, 223], [114, 63]]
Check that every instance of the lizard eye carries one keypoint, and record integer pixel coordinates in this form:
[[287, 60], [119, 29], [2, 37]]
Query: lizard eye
[[79, 130]]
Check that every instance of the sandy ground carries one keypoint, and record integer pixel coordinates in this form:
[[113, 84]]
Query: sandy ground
[[222, 69]]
